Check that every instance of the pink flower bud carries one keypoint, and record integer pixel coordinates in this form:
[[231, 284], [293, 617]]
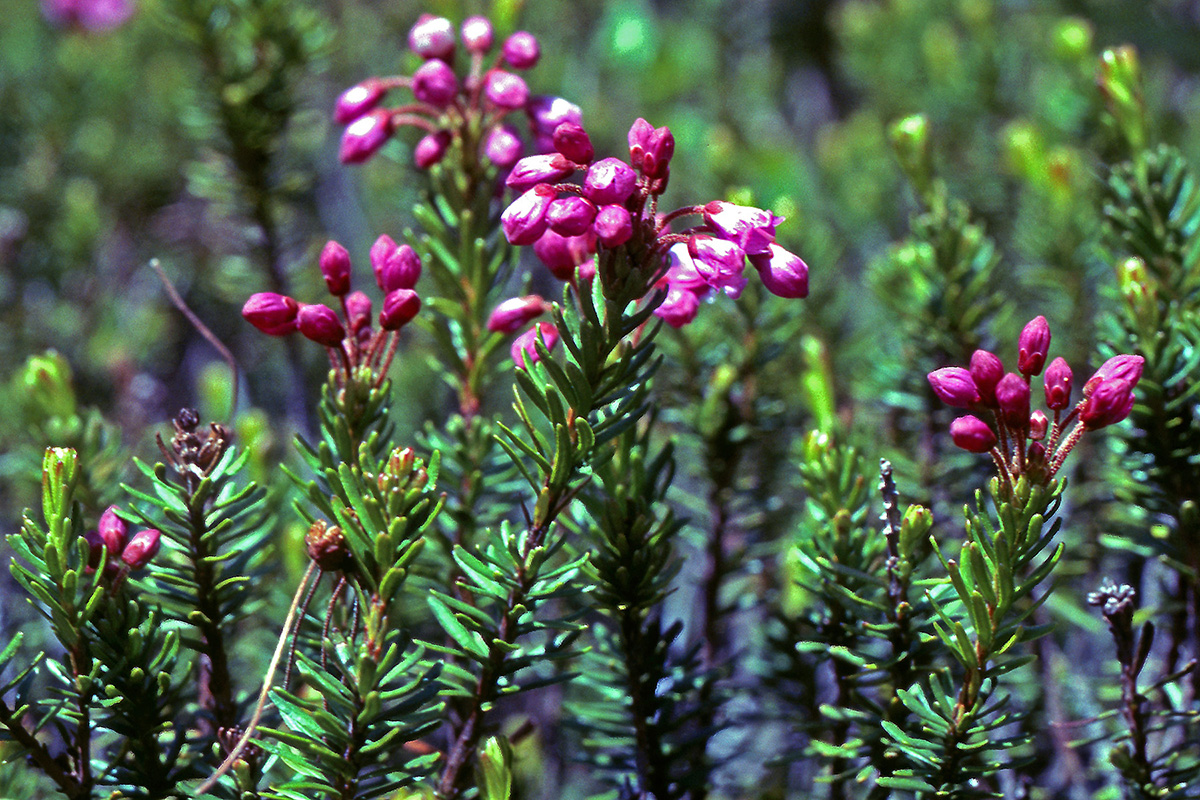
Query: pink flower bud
[[364, 136], [609, 181], [400, 270], [1012, 397], [546, 113], [435, 83], [358, 100], [986, 370], [1109, 403], [573, 142], [505, 90], [751, 229], [525, 220], [532, 170], [1057, 382], [113, 532], [1033, 345], [399, 308], [562, 254], [432, 37], [613, 226], [650, 148], [515, 313], [972, 434], [358, 311], [783, 273], [720, 263], [142, 548], [1039, 423], [524, 352], [320, 323], [639, 135], [1123, 367], [521, 50], [954, 387], [335, 268], [273, 314], [680, 306], [503, 147], [477, 34], [570, 216], [95, 550], [431, 149]]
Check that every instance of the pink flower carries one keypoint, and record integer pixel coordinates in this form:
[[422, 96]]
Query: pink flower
[[113, 532], [142, 548], [358, 312], [524, 351], [532, 170], [92, 15], [1057, 383], [273, 314], [562, 254], [1123, 367], [720, 263], [570, 216], [546, 113], [573, 143], [1033, 345], [972, 434], [1109, 403], [613, 226], [358, 100], [954, 387], [680, 306], [363, 137], [650, 148], [609, 181], [399, 308], [505, 90], [335, 268], [477, 34], [435, 83], [783, 273], [986, 370], [503, 146], [400, 269], [521, 50], [515, 313], [524, 221], [751, 229], [431, 149], [432, 37], [319, 323], [1012, 397]]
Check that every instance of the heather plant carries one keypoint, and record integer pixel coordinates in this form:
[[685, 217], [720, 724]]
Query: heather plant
[[580, 497]]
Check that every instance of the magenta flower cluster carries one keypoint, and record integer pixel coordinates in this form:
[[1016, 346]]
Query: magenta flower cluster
[[89, 15], [1025, 442], [120, 553], [447, 105], [350, 338], [615, 205]]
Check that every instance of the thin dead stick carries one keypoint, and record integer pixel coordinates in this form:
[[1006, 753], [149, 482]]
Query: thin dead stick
[[204, 331], [266, 689]]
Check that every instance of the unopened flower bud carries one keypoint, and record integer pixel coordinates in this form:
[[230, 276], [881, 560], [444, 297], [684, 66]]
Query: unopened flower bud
[[113, 532], [972, 434], [783, 273], [96, 550], [435, 83], [752, 229], [954, 386], [273, 314], [431, 149], [515, 313], [335, 268], [524, 221], [503, 146], [639, 135], [1122, 367], [986, 371], [659, 147], [613, 226], [521, 50], [142, 548], [1109, 403], [326, 546], [532, 170], [1039, 423], [358, 311], [562, 254], [432, 37], [679, 307], [547, 113], [574, 143], [1057, 382], [477, 34], [1012, 398], [1033, 345], [319, 323], [506, 90], [524, 351], [358, 100], [609, 181], [720, 263], [400, 270], [399, 308], [364, 136], [570, 216]]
